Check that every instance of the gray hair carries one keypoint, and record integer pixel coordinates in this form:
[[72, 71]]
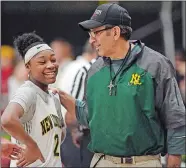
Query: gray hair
[[126, 31]]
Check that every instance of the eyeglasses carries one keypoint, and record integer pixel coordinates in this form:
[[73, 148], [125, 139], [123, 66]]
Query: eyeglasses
[[94, 33]]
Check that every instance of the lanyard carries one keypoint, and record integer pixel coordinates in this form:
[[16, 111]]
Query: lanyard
[[112, 86]]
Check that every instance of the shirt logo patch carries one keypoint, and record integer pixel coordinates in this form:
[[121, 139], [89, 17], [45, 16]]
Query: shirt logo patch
[[135, 79]]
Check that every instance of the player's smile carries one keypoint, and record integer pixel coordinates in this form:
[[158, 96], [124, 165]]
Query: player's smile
[[50, 75]]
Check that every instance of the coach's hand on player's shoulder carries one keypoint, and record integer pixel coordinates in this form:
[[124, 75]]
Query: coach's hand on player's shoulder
[[29, 155], [66, 100]]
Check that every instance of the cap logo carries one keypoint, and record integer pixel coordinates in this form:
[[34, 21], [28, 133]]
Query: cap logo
[[97, 12]]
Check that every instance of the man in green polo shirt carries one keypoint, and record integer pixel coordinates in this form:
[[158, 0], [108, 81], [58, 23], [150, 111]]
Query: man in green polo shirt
[[132, 104]]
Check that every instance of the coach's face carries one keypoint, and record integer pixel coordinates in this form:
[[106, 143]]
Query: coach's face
[[104, 39], [43, 67]]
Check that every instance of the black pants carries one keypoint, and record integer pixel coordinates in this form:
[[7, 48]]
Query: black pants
[[84, 152], [71, 156]]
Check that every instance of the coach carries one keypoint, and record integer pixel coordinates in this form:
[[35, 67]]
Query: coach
[[132, 105]]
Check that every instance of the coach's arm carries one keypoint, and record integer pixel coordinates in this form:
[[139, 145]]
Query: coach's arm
[[172, 113], [76, 109]]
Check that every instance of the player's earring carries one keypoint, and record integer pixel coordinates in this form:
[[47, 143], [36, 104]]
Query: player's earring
[[28, 75]]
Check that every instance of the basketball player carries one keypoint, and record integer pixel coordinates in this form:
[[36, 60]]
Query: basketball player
[[33, 116]]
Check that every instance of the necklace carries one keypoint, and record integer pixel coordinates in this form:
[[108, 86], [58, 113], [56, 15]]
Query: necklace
[[112, 85]]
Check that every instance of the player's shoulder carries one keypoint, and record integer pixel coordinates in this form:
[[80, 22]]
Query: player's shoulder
[[25, 96], [27, 90], [54, 96]]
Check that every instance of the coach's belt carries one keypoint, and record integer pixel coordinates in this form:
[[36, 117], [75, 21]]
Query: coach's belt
[[129, 160]]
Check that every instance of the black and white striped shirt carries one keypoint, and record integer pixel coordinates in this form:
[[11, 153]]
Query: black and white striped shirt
[[79, 81]]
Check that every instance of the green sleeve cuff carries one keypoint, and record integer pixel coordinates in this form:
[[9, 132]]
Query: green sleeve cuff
[[82, 113]]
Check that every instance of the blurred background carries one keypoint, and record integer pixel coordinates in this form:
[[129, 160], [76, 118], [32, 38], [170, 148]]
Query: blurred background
[[54, 19], [160, 25]]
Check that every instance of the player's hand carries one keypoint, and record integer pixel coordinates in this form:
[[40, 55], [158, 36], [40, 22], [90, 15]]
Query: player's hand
[[174, 161], [10, 150], [29, 155]]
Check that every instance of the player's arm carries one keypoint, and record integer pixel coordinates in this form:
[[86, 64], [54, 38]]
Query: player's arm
[[19, 109], [10, 121]]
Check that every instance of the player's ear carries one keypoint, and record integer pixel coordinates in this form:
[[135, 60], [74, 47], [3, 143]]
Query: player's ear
[[28, 68]]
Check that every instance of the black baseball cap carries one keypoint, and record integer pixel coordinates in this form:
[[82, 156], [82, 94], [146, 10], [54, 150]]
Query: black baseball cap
[[110, 13]]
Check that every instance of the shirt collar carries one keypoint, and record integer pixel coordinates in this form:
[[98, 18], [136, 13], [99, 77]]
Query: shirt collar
[[39, 91]]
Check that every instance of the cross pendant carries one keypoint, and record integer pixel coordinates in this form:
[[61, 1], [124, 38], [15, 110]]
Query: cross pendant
[[111, 86]]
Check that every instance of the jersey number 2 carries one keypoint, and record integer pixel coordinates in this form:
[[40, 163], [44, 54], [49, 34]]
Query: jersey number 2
[[56, 141]]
